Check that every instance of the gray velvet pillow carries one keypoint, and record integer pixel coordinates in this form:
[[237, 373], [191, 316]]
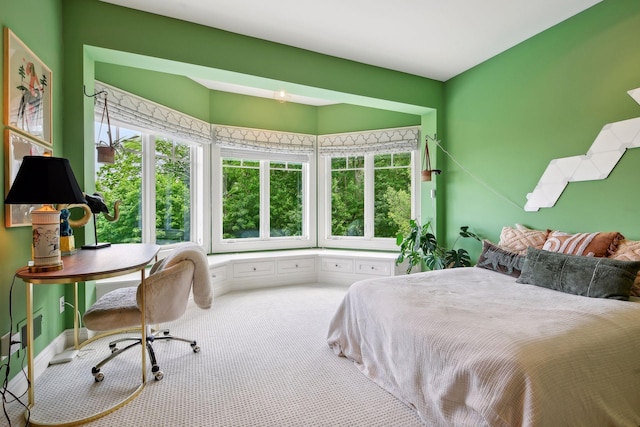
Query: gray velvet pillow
[[579, 275]]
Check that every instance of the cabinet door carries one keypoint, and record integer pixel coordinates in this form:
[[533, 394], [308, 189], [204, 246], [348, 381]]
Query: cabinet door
[[258, 268], [337, 265], [297, 265], [218, 275], [377, 268]]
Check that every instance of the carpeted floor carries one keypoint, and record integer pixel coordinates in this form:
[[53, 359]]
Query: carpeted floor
[[264, 362]]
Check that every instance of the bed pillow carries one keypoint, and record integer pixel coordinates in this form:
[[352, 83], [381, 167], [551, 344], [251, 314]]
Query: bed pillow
[[517, 239], [500, 260], [579, 275], [629, 250], [586, 244]]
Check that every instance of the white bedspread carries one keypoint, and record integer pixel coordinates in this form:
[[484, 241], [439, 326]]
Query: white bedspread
[[471, 347]]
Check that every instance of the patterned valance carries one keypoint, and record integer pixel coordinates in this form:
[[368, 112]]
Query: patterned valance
[[382, 141], [231, 137], [142, 113]]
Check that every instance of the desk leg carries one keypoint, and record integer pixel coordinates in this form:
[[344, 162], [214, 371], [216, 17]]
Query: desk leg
[[76, 314], [30, 367], [143, 332]]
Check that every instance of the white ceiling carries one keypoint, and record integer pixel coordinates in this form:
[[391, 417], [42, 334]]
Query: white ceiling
[[438, 39]]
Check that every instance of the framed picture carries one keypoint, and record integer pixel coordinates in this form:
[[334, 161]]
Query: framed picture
[[27, 90], [16, 146]]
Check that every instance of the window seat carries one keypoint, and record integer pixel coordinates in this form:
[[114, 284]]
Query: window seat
[[239, 271]]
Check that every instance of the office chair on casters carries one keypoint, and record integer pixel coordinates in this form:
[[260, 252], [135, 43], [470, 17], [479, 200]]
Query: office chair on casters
[[167, 290]]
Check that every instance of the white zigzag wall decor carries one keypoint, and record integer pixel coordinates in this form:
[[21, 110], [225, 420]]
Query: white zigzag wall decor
[[605, 152]]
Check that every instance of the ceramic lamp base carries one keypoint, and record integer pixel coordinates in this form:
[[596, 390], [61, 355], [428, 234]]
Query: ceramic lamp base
[[45, 223]]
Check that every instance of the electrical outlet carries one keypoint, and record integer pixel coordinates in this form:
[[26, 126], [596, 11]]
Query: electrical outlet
[[62, 304], [5, 344]]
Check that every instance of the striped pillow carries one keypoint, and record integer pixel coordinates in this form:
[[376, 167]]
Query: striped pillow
[[585, 244]]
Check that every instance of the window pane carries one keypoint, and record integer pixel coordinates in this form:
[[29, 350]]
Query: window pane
[[392, 190], [402, 159], [382, 160], [285, 181], [122, 181], [241, 200], [338, 163], [347, 197], [173, 192]]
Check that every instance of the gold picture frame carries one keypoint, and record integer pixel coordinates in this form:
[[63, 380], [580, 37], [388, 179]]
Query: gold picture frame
[[27, 90], [16, 146]]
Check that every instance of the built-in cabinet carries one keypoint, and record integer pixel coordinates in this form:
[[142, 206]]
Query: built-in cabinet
[[255, 270], [265, 269]]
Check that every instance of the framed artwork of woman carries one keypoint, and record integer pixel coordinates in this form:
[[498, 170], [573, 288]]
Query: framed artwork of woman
[[27, 88]]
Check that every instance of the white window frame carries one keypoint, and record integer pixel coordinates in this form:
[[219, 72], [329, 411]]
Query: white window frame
[[265, 241], [368, 241], [198, 178]]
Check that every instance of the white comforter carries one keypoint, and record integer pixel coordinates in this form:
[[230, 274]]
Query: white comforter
[[471, 347]]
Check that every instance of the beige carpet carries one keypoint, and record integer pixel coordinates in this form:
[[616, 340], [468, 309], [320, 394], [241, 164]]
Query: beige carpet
[[264, 362]]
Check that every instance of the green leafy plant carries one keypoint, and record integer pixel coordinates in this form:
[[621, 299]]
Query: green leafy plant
[[420, 246]]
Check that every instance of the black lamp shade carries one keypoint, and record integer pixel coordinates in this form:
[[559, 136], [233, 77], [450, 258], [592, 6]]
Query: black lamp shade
[[44, 180]]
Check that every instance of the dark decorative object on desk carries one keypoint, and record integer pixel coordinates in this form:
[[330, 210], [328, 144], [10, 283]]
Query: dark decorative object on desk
[[97, 205], [421, 246]]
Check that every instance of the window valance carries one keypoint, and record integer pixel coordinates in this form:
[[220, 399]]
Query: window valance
[[265, 143], [136, 111], [382, 141]]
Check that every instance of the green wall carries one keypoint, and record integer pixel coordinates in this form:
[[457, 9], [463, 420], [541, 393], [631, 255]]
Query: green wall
[[39, 25], [546, 98], [348, 118], [178, 92], [185, 95], [261, 113]]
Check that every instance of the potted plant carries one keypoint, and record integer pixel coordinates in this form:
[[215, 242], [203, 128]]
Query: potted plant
[[107, 150], [420, 246], [427, 173]]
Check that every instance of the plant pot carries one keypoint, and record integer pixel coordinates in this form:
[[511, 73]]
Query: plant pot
[[106, 154], [427, 174]]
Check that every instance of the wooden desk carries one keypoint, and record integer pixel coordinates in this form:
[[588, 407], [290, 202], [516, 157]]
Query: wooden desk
[[87, 265]]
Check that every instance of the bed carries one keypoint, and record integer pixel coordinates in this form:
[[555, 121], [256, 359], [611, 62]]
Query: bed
[[473, 347]]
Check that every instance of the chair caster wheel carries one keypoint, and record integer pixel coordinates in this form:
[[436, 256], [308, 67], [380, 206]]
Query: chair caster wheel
[[159, 375], [97, 375], [195, 347], [114, 349]]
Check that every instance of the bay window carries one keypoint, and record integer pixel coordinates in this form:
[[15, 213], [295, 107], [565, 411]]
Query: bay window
[[234, 189]]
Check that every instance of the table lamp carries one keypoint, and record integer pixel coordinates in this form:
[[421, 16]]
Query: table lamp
[[45, 180]]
